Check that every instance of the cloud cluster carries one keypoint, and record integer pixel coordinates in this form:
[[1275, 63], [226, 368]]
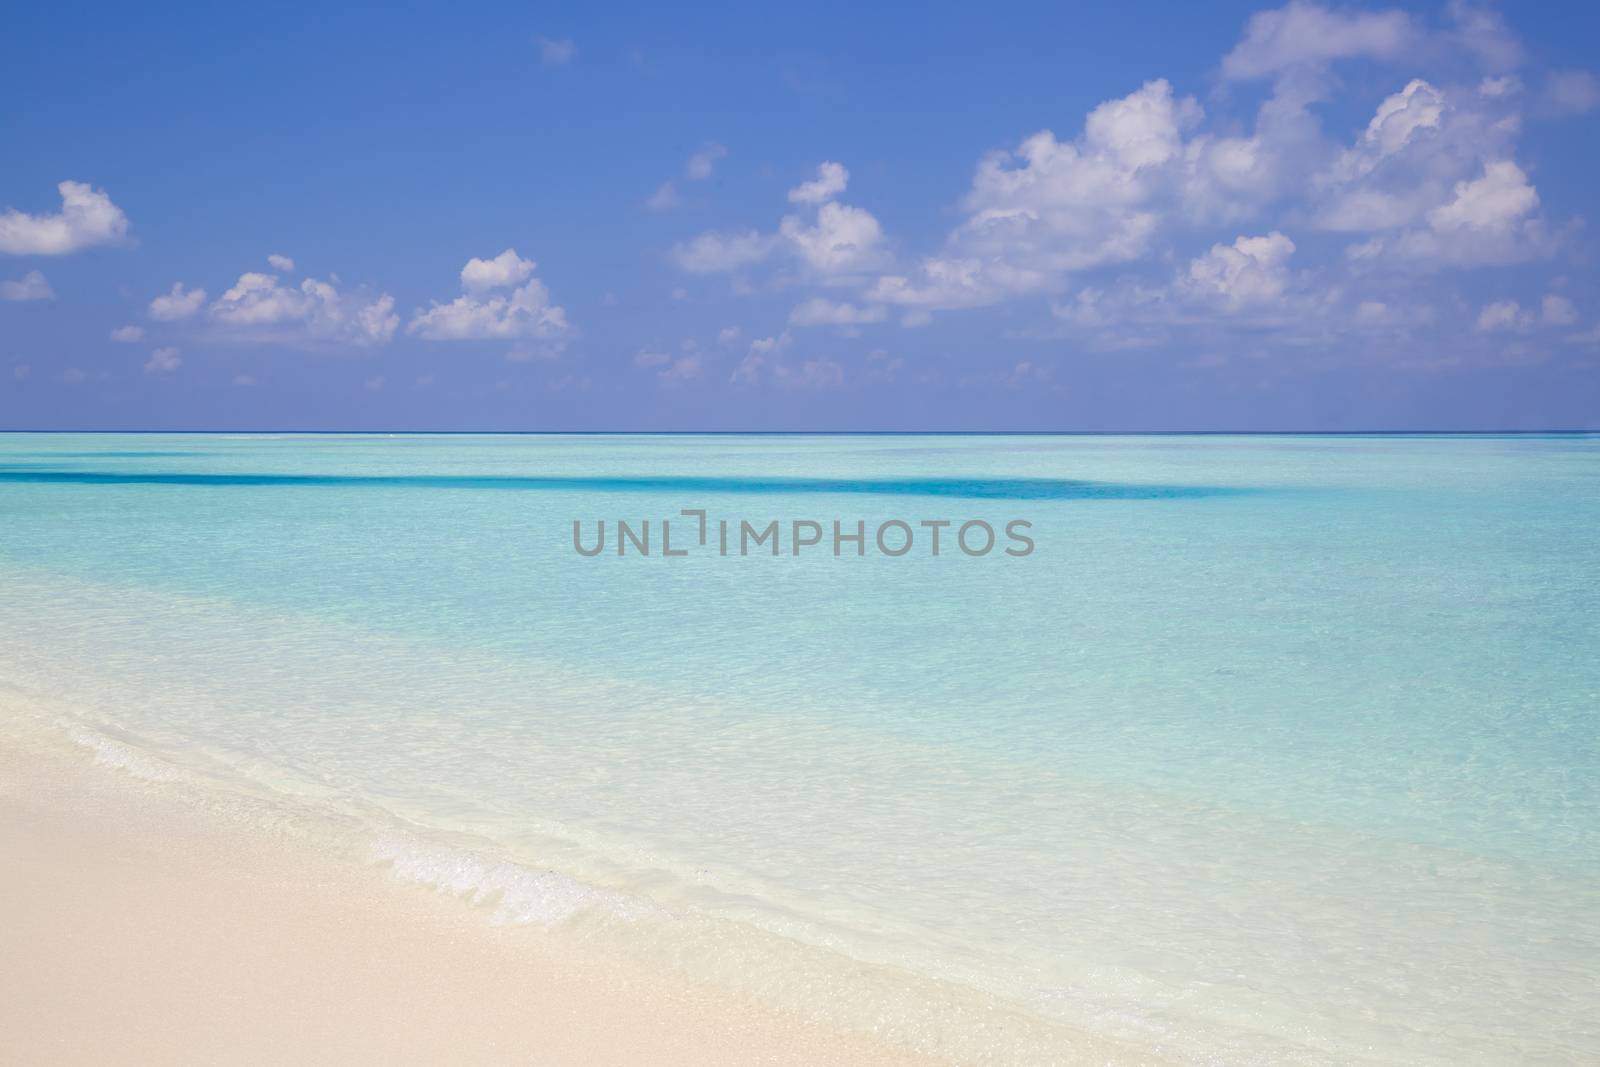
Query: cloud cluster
[[767, 364], [502, 301], [259, 308], [1155, 217], [834, 243]]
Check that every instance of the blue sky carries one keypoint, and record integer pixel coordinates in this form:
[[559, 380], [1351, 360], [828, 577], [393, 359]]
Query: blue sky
[[1149, 216]]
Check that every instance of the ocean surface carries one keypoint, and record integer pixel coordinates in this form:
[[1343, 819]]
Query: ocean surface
[[1272, 749]]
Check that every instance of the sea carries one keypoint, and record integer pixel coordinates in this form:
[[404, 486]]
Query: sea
[[1199, 748]]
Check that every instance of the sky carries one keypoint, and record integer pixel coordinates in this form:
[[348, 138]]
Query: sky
[[1131, 216]]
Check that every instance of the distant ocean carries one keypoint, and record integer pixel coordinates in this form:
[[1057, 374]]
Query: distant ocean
[[1272, 749]]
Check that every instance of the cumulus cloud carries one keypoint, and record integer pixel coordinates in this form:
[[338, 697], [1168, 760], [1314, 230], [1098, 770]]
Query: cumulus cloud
[[1497, 200], [843, 239], [503, 301], [1489, 219], [819, 311], [87, 217], [839, 241], [506, 269], [1308, 34], [1435, 169], [178, 303], [128, 335], [1252, 270], [831, 180], [31, 286], [259, 309], [1503, 315], [711, 253], [1509, 315], [1053, 207], [1429, 179], [163, 361], [280, 263]]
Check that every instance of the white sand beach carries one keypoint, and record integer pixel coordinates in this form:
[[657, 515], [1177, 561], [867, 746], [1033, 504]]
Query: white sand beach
[[139, 929]]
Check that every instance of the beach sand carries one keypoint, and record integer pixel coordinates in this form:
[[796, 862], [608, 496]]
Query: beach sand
[[141, 929]]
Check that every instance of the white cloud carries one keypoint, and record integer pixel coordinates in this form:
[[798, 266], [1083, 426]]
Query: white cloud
[[765, 363], [282, 263], [1482, 32], [1421, 146], [31, 286], [819, 311], [672, 370], [704, 162], [844, 239], [729, 335], [665, 198], [684, 368], [831, 180], [1501, 87], [1436, 169], [1252, 270], [1429, 177], [1497, 201], [1416, 107], [700, 166], [556, 51], [1558, 311], [163, 361], [717, 252], [128, 334], [503, 270], [841, 241], [87, 217], [258, 309], [1303, 34], [1572, 92], [810, 374], [763, 350], [1509, 315], [1503, 315], [1052, 208], [521, 312], [177, 304]]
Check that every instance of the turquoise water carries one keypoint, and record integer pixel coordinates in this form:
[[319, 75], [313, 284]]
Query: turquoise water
[[1274, 749]]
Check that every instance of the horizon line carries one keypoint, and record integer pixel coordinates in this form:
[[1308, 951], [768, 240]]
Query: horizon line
[[830, 433]]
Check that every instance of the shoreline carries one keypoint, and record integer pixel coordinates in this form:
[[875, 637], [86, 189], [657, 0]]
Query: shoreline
[[140, 928]]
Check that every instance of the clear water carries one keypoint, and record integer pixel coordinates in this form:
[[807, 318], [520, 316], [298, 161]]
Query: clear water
[[1276, 749]]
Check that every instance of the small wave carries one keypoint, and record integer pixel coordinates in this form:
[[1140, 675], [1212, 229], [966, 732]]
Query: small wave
[[123, 757], [518, 895]]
